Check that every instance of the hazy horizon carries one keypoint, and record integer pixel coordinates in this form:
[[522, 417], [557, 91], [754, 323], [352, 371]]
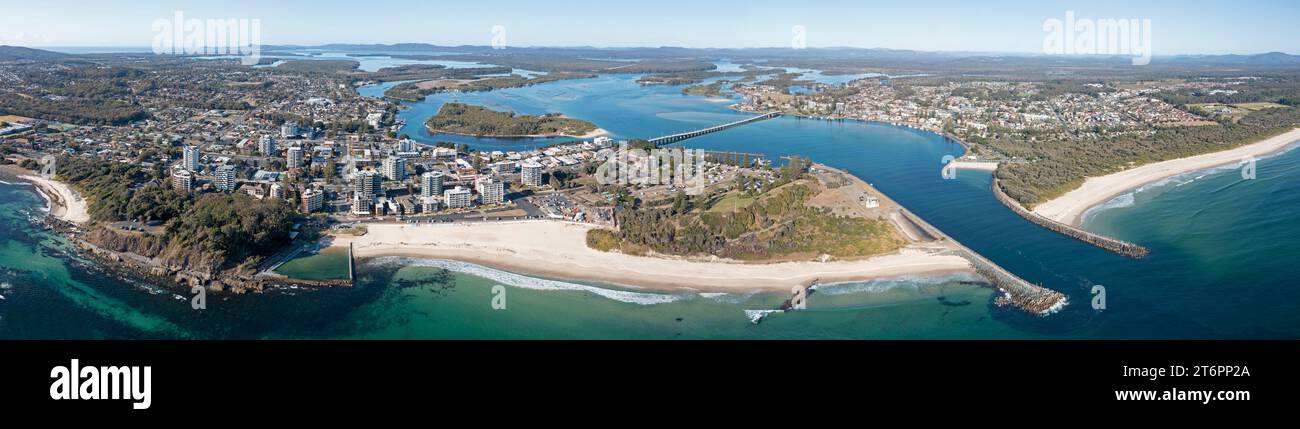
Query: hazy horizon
[[1197, 27]]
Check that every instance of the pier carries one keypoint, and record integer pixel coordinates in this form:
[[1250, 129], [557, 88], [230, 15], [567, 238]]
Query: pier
[[692, 134], [352, 266], [1118, 246]]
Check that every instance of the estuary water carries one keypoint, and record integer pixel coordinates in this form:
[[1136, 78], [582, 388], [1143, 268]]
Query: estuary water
[[1223, 252]]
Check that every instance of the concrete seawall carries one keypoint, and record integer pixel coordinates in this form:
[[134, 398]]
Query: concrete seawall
[[1019, 292], [352, 266], [1118, 246]]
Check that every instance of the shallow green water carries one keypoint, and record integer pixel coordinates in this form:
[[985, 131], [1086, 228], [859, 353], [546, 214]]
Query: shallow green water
[[328, 264]]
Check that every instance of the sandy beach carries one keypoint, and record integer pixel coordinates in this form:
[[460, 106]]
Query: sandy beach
[[1069, 208], [558, 250], [975, 165], [65, 203]]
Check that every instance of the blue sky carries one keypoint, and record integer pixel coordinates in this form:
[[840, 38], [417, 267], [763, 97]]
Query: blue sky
[[1178, 27]]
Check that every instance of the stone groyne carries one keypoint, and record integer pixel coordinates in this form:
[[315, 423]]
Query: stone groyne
[[1118, 246]]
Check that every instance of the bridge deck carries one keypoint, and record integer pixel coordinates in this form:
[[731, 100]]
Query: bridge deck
[[691, 134]]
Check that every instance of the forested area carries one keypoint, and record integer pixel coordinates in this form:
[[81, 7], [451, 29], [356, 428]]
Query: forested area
[[779, 224], [1056, 167], [83, 95], [461, 118], [226, 227]]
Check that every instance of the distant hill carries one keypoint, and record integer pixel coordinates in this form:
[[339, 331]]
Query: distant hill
[[1267, 59], [11, 53]]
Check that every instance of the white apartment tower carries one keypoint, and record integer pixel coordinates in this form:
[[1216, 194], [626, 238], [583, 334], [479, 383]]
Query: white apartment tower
[[266, 146], [225, 178], [395, 168], [182, 179], [369, 184], [294, 157], [190, 158], [313, 200], [491, 190], [458, 198], [530, 173], [431, 184]]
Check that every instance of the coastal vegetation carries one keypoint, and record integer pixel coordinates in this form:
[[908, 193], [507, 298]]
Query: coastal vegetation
[[83, 95], [416, 91], [458, 118], [746, 224], [430, 71], [208, 232], [712, 89], [1054, 168]]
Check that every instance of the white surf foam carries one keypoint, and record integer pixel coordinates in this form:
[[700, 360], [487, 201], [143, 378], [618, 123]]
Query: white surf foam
[[521, 281], [913, 282], [756, 316]]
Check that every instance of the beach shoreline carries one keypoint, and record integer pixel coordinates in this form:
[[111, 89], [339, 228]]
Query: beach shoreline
[[1095, 191], [558, 250], [65, 203]]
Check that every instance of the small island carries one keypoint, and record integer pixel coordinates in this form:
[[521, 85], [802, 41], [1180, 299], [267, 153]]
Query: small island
[[713, 89], [465, 119]]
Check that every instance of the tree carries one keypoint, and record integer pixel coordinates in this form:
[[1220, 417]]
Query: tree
[[680, 203]]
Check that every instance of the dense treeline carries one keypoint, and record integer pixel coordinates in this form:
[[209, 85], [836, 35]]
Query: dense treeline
[[84, 95], [226, 228], [1281, 90], [461, 118], [697, 76], [106, 186], [778, 224], [235, 226], [712, 89], [1055, 167], [74, 111], [412, 91]]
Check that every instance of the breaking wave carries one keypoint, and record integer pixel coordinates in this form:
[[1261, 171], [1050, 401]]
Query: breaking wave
[[525, 282], [913, 282]]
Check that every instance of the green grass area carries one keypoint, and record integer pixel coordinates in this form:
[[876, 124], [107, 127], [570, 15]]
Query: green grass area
[[731, 202], [1257, 106]]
